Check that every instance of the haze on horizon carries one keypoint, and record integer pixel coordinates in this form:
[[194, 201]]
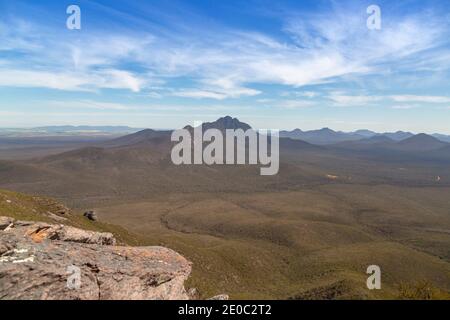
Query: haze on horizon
[[281, 65]]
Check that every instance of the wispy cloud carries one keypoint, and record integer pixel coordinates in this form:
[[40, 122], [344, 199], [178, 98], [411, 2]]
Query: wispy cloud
[[294, 104], [307, 94], [131, 108], [404, 106], [221, 62], [216, 94], [417, 98], [78, 81], [343, 100], [145, 58]]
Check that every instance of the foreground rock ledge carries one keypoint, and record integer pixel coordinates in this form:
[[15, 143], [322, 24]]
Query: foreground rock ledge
[[36, 262]]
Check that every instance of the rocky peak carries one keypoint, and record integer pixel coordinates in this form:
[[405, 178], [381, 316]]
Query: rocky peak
[[222, 124]]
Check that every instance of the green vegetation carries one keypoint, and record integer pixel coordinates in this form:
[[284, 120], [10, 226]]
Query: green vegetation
[[309, 232], [422, 290], [34, 208], [301, 245]]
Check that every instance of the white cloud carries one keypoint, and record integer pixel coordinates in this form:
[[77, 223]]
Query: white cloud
[[307, 94], [199, 94], [91, 104], [343, 100], [218, 94], [125, 107], [404, 106], [76, 81], [417, 98], [294, 104], [222, 63]]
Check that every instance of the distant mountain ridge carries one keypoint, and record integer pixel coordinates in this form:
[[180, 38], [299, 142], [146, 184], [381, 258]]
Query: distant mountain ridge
[[63, 131], [416, 143], [322, 136], [421, 142], [140, 164], [87, 128], [441, 137], [328, 136], [297, 139]]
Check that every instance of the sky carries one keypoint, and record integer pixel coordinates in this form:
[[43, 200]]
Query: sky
[[273, 64]]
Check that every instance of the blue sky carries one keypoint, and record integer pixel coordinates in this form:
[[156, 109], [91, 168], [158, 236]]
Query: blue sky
[[274, 64]]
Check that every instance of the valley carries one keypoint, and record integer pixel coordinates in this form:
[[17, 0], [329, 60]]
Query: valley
[[307, 233]]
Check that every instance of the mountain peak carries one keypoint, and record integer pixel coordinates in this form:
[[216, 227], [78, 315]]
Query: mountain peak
[[231, 123], [225, 123], [421, 137], [398, 135], [365, 133], [422, 142], [379, 139], [326, 129]]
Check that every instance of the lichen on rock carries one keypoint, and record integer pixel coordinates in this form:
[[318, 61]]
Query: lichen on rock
[[35, 260]]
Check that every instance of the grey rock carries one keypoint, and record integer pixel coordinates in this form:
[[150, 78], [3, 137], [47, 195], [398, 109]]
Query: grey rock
[[40, 231], [220, 297], [91, 215], [37, 261], [5, 222]]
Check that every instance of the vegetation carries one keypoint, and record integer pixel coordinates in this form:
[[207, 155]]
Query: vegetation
[[422, 290]]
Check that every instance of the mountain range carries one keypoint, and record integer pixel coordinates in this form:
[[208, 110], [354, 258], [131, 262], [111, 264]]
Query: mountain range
[[66, 131], [308, 232], [328, 136], [322, 136], [140, 163]]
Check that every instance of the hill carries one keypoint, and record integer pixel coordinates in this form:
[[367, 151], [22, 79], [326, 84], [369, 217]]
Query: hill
[[398, 136], [421, 142], [35, 256], [309, 231], [26, 207], [321, 137], [139, 164], [136, 138]]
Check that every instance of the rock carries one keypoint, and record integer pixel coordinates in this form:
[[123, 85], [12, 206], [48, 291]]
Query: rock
[[41, 231], [5, 222], [56, 217], [43, 261], [220, 297], [91, 215], [62, 210], [193, 294]]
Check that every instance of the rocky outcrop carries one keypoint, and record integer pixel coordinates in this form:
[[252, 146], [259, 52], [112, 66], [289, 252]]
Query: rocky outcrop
[[44, 261], [5, 222]]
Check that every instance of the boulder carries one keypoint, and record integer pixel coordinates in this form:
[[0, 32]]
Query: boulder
[[91, 215], [41, 231], [44, 261], [5, 222]]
